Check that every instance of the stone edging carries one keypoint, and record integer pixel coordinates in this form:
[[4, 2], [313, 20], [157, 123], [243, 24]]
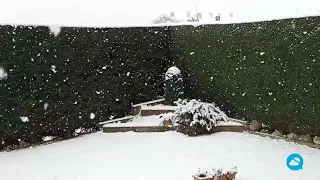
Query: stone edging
[[164, 128], [309, 144]]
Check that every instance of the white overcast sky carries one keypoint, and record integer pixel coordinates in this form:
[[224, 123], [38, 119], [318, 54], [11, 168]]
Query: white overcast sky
[[136, 12]]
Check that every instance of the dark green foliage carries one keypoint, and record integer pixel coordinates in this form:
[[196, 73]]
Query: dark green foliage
[[79, 72], [173, 87], [266, 71]]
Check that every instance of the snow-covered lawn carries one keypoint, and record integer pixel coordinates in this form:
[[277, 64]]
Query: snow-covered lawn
[[157, 156]]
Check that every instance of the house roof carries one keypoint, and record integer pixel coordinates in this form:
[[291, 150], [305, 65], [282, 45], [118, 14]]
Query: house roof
[[205, 16], [165, 18]]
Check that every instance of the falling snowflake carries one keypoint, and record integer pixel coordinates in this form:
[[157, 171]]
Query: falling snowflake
[[92, 116], [24, 119], [53, 69], [270, 93], [45, 106], [243, 94], [98, 92], [3, 73], [128, 73], [262, 53], [191, 53]]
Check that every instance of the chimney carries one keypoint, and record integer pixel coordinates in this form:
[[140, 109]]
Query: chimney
[[218, 18], [188, 14], [199, 15], [172, 14]]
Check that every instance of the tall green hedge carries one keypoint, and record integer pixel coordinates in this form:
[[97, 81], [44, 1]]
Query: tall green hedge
[[79, 72], [268, 71]]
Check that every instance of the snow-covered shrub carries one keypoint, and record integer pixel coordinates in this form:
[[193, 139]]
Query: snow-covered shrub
[[198, 117], [173, 86]]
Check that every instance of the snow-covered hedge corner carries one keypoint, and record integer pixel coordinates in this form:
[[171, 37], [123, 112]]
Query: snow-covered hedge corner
[[198, 117]]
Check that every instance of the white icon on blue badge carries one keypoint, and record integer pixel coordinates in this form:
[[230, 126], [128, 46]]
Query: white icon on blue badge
[[295, 162]]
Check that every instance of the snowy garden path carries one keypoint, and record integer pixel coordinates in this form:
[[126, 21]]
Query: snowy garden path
[[157, 156]]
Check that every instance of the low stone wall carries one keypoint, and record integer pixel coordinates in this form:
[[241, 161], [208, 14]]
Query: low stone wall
[[309, 144], [163, 129], [121, 120], [151, 112], [230, 129], [137, 129]]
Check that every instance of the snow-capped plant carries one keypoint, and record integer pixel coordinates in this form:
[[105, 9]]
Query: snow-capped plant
[[217, 174], [198, 117], [202, 174], [173, 86]]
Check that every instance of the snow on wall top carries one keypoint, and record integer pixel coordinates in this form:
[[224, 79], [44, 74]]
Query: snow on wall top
[[123, 13]]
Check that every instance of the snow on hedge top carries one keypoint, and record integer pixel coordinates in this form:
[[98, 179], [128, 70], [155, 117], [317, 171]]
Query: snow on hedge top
[[173, 71]]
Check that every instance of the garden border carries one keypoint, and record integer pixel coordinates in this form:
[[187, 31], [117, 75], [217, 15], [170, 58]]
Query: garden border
[[309, 144], [145, 129]]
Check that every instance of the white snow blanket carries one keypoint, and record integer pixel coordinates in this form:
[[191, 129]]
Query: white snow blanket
[[158, 156]]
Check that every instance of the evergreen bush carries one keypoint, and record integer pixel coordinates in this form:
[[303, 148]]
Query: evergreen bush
[[173, 85], [197, 117]]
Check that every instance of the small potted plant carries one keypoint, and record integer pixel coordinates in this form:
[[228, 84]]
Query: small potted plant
[[202, 175], [228, 175], [166, 120]]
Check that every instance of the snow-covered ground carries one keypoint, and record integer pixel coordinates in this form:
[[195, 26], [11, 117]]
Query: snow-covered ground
[[158, 156]]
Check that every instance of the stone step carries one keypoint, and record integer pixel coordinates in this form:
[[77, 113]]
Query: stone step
[[151, 112], [118, 120], [136, 129], [136, 108]]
